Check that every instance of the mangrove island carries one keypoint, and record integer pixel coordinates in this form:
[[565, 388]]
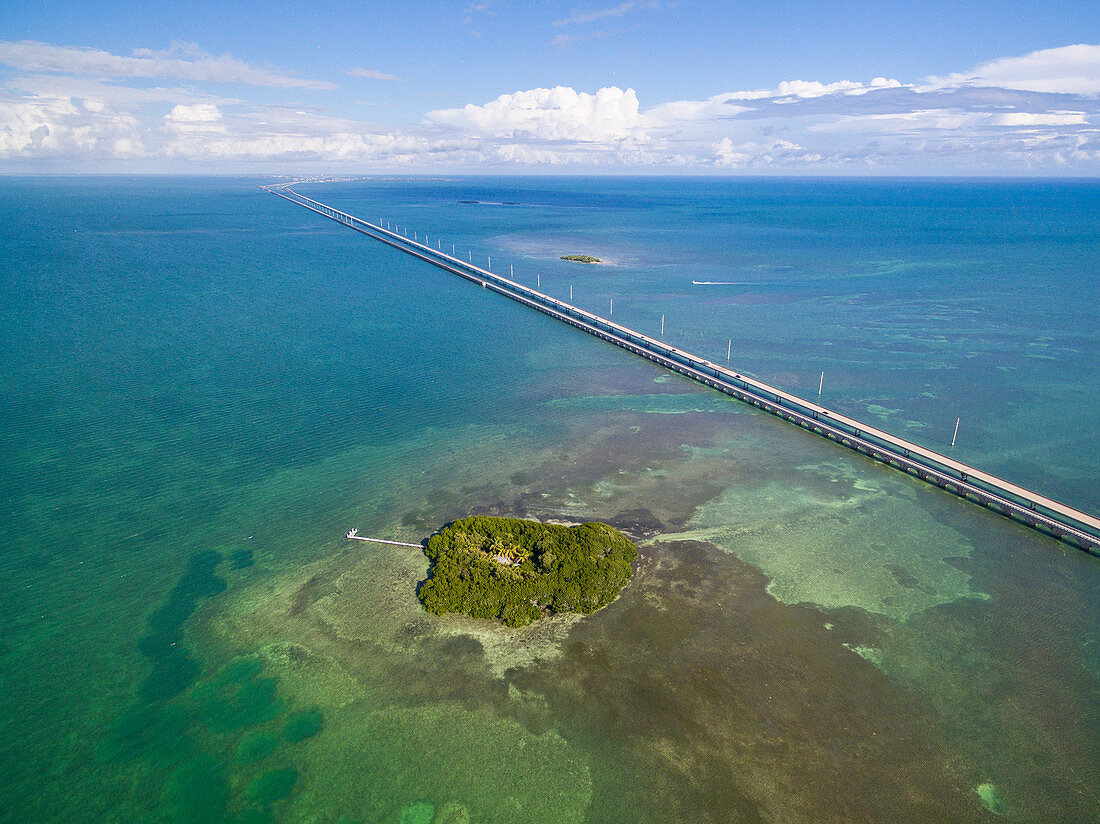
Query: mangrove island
[[582, 258], [516, 571]]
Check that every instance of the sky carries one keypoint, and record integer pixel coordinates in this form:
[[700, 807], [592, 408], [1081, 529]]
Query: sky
[[491, 86]]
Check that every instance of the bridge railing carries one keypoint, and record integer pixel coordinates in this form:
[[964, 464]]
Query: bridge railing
[[766, 393]]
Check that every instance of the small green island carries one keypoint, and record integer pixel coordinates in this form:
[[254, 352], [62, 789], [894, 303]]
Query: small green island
[[581, 258], [517, 571]]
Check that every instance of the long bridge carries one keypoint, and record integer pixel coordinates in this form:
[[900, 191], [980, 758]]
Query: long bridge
[[1044, 514]]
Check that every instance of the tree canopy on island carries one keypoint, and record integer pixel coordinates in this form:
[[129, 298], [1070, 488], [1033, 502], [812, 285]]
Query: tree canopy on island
[[516, 571]]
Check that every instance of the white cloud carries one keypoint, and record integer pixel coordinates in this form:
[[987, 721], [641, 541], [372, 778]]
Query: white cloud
[[752, 154], [838, 126], [563, 40], [1048, 119], [343, 146], [182, 61], [684, 111], [474, 9], [372, 74], [112, 94], [198, 113], [928, 121], [1065, 70], [56, 127], [814, 88], [581, 17], [201, 118], [560, 113]]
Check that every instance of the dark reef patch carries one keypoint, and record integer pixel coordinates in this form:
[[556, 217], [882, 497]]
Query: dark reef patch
[[305, 724], [173, 669]]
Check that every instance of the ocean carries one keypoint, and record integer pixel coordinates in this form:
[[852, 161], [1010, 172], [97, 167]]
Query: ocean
[[205, 387]]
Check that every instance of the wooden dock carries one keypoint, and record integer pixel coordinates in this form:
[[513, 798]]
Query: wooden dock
[[353, 535], [1044, 514]]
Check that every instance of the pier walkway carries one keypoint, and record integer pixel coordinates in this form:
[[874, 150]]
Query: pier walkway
[[353, 535], [1071, 525]]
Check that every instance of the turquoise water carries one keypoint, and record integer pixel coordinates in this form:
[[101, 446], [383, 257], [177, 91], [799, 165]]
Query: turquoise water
[[205, 386]]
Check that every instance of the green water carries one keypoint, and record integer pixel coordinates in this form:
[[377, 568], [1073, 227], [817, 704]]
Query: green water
[[204, 387]]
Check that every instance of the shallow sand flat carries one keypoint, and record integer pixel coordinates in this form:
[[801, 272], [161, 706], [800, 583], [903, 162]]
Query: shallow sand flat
[[386, 760], [695, 688], [711, 701], [836, 537], [706, 734]]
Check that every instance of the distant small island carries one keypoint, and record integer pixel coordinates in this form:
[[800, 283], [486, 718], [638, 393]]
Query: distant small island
[[581, 258], [516, 571]]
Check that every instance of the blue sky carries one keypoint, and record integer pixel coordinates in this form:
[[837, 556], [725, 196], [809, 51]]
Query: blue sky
[[643, 86]]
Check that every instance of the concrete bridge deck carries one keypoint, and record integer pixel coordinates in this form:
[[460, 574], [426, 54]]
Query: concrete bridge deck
[[1037, 511]]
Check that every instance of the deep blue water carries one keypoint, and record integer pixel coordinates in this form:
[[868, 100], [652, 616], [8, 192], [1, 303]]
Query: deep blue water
[[192, 366]]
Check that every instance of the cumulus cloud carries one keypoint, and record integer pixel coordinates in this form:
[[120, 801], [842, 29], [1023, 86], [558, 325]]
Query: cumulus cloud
[[198, 113], [199, 118], [1065, 70], [752, 154], [58, 127], [182, 61], [1042, 116], [560, 113]]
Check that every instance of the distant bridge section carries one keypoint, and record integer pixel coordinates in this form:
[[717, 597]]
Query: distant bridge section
[[1037, 511]]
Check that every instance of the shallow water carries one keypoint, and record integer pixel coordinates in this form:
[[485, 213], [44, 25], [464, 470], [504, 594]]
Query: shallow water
[[204, 387]]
